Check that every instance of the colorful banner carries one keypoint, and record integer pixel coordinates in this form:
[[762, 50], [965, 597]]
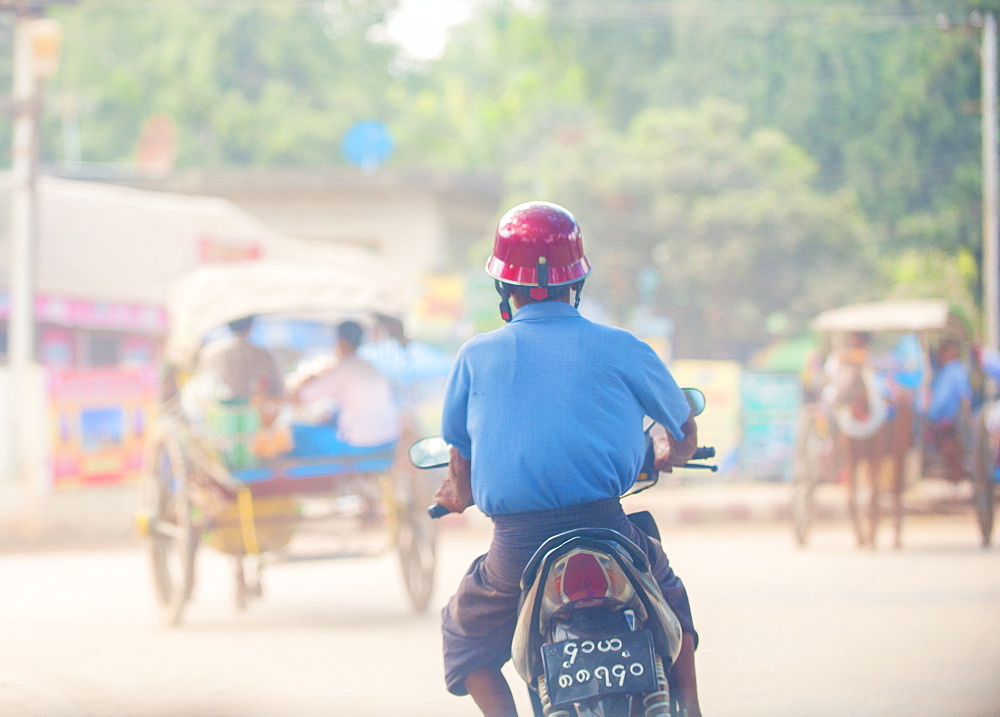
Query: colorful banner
[[719, 425], [770, 408], [483, 304], [99, 419], [439, 314], [89, 314]]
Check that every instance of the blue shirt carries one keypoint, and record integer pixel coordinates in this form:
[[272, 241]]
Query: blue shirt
[[950, 386], [550, 409]]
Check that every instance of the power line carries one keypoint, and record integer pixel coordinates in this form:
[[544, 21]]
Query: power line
[[736, 8], [739, 17], [31, 7], [830, 14]]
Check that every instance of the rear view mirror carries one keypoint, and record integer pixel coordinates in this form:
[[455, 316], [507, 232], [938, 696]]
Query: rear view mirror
[[695, 399], [432, 452]]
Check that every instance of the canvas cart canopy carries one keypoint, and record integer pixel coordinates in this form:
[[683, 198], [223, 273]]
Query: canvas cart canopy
[[905, 316], [348, 285]]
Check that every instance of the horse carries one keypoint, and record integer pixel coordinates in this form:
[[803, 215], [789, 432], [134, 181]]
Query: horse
[[868, 436]]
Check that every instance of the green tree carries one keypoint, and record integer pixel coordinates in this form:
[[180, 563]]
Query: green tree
[[729, 217], [273, 82], [882, 93], [500, 81], [877, 91], [862, 111]]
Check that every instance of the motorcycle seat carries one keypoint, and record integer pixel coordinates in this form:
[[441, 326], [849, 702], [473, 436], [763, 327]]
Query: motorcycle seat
[[582, 536]]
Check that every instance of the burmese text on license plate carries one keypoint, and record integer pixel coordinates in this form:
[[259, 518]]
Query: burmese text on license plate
[[578, 669]]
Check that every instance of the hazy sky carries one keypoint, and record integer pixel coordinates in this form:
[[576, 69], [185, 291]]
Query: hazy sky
[[422, 25]]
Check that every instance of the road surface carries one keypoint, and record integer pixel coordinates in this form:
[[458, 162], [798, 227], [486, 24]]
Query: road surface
[[827, 630]]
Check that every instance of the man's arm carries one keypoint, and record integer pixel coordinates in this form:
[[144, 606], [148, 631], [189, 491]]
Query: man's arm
[[455, 491], [670, 451], [663, 401]]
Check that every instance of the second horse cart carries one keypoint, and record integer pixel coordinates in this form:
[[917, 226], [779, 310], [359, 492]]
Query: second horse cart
[[890, 431]]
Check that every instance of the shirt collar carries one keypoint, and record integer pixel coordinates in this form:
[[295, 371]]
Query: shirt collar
[[544, 310]]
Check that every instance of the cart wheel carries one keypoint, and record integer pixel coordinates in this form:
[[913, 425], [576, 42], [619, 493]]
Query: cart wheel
[[173, 539], [984, 494], [805, 475], [416, 541]]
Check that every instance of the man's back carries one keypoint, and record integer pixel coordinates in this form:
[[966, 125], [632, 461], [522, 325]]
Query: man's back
[[550, 408], [242, 368], [949, 389]]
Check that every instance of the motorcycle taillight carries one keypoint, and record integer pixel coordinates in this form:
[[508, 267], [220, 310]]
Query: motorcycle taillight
[[585, 577]]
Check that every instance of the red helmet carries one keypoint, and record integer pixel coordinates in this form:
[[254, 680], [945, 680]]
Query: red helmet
[[538, 244]]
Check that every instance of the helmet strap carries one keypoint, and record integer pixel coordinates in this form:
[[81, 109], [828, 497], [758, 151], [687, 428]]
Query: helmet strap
[[541, 292], [504, 291], [578, 291], [542, 272]]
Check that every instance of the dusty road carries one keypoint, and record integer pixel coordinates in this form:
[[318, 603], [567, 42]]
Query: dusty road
[[823, 631]]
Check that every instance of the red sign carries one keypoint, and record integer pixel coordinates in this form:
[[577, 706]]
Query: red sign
[[215, 249]]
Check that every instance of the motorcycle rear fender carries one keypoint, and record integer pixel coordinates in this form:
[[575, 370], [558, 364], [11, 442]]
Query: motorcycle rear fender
[[649, 604]]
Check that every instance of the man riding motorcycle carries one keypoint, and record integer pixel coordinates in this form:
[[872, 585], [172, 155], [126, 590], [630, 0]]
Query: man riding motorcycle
[[544, 417]]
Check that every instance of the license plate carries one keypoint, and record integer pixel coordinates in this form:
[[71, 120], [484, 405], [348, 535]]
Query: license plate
[[579, 669]]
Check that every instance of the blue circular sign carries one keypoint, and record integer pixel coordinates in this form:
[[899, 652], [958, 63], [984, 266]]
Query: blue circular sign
[[367, 144]]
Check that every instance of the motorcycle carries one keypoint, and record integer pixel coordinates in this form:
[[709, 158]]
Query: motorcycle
[[594, 636]]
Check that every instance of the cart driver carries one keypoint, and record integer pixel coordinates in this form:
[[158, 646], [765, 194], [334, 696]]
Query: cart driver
[[346, 407], [239, 368], [951, 398], [989, 363]]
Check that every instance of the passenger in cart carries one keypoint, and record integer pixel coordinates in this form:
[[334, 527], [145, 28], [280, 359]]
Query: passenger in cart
[[346, 409]]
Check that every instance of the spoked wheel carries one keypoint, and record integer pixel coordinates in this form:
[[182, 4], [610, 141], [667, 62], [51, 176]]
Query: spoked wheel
[[416, 541], [172, 534], [984, 494], [805, 476]]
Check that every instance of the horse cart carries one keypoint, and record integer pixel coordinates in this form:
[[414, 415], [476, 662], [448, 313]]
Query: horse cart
[[871, 421], [203, 485]]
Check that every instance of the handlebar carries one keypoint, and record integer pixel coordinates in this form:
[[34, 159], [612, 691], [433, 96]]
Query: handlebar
[[437, 511], [701, 453]]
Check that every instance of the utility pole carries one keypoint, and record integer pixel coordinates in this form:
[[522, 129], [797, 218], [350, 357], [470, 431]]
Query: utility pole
[[24, 152], [36, 50], [991, 191]]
